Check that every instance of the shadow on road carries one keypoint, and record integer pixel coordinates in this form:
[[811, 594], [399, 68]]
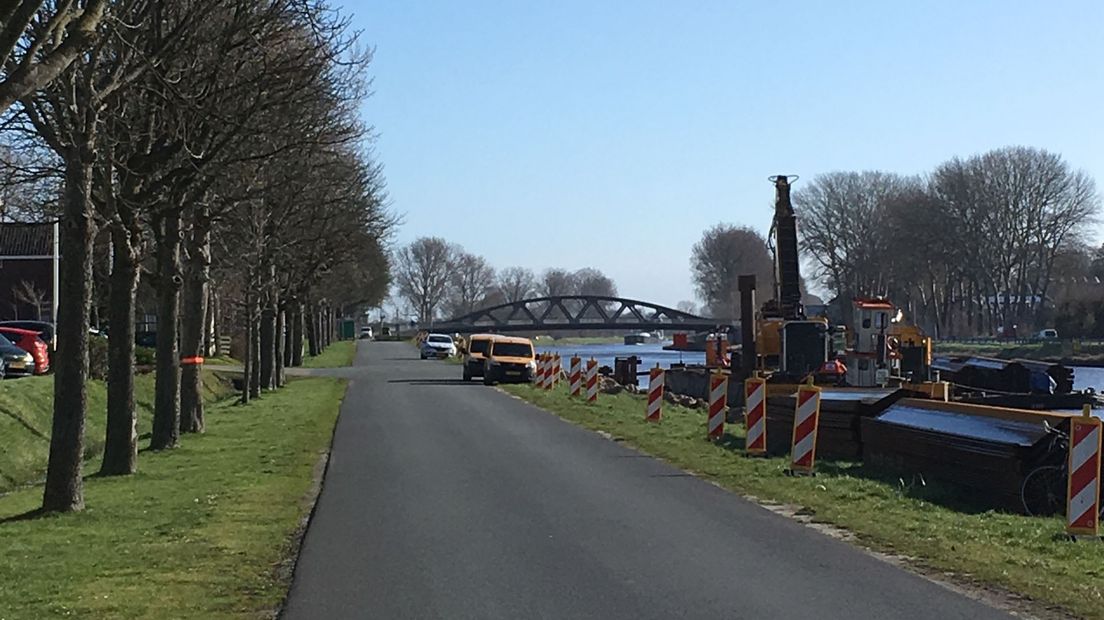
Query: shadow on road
[[435, 382]]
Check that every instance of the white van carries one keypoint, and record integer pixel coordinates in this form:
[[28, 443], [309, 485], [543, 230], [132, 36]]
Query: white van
[[1047, 334]]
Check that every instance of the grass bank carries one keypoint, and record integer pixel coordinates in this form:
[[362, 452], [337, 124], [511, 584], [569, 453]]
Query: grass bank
[[203, 531], [26, 414], [922, 522], [1087, 354], [339, 354]]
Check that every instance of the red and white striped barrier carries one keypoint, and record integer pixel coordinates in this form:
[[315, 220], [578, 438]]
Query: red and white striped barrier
[[556, 366], [806, 418], [654, 411], [755, 415], [1083, 505], [538, 379], [575, 376], [718, 397], [592, 380]]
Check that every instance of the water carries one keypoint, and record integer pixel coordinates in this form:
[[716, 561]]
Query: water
[[1088, 377], [650, 354]]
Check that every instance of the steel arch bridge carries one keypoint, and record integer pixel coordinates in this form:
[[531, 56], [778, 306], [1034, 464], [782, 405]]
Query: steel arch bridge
[[578, 312]]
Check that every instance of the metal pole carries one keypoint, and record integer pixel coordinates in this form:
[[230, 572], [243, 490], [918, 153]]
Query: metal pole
[[747, 323]]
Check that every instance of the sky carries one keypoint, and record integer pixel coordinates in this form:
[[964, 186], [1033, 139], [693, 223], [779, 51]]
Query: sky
[[611, 134]]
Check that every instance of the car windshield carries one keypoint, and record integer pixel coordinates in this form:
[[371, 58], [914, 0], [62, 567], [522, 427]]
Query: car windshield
[[4, 342], [479, 346], [513, 349], [440, 340]]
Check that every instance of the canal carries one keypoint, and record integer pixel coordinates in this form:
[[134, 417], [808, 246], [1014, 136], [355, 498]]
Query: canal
[[651, 354]]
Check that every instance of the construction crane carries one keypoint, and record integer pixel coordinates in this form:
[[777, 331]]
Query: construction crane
[[788, 343]]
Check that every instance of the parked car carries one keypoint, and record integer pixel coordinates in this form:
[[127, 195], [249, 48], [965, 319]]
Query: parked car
[[438, 345], [45, 330], [32, 343], [17, 362], [1048, 334], [366, 332], [509, 360], [476, 355]]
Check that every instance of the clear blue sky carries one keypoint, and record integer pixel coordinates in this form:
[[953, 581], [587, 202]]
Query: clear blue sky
[[611, 134]]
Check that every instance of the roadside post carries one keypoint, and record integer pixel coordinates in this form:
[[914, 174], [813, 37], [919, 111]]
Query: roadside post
[[654, 411], [718, 398], [575, 375], [557, 365], [592, 380], [1083, 499], [755, 415], [806, 418]]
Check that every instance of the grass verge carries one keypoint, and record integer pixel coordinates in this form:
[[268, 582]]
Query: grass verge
[[915, 520], [339, 354], [200, 532], [1051, 351], [26, 414]]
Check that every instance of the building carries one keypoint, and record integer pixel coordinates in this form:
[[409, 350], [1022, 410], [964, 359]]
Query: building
[[28, 271]]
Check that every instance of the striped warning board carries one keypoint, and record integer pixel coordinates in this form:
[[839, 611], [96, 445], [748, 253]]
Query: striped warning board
[[654, 411], [718, 397], [806, 418], [592, 380], [755, 415], [575, 375], [1083, 503]]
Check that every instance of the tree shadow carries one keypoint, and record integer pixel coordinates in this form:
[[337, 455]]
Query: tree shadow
[[912, 485], [30, 515], [453, 382]]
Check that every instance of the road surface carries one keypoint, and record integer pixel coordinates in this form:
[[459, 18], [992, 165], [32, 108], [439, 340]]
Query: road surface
[[452, 500]]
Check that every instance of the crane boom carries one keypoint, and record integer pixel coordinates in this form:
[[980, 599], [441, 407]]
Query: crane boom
[[787, 268]]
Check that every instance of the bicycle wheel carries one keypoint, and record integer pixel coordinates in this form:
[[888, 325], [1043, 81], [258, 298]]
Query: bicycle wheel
[[1044, 491]]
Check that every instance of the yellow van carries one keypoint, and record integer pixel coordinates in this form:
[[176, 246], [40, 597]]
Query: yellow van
[[509, 360], [475, 357]]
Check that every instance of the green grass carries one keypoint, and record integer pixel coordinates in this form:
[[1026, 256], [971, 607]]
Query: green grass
[[1045, 351], [203, 531], [339, 354], [26, 413], [1014, 552]]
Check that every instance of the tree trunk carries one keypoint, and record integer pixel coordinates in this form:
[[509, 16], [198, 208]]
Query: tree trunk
[[166, 405], [193, 322], [281, 346], [255, 346], [247, 352], [297, 334], [313, 337], [121, 443], [64, 490], [268, 347]]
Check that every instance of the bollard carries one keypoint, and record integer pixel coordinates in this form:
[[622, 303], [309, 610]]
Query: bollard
[[755, 416], [718, 396], [592, 380], [575, 376], [1083, 499], [557, 366], [806, 418], [654, 410]]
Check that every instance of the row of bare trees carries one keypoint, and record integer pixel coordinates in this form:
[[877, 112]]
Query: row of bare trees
[[969, 249], [439, 279], [216, 145]]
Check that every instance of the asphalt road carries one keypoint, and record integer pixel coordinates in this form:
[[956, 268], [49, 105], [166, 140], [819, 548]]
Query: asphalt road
[[453, 500]]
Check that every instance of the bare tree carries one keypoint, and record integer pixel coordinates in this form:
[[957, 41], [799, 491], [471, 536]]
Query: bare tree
[[724, 253], [516, 283], [422, 272], [687, 306], [591, 281], [26, 292], [471, 281], [556, 282], [39, 40]]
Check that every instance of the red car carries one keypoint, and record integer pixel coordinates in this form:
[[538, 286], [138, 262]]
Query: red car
[[30, 342]]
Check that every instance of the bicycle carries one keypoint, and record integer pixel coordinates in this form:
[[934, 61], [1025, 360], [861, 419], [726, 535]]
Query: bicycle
[[1044, 489]]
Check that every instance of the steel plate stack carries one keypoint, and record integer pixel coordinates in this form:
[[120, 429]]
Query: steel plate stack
[[841, 409], [986, 450]]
